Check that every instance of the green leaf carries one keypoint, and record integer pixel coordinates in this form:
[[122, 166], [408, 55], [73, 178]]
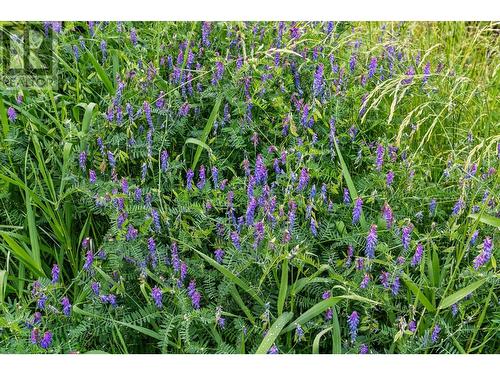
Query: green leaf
[[337, 342], [315, 348], [145, 331], [486, 219], [322, 306], [22, 255], [232, 277], [3, 285], [87, 118], [457, 296], [101, 73], [348, 180], [273, 333], [4, 119], [418, 294], [283, 286], [206, 131]]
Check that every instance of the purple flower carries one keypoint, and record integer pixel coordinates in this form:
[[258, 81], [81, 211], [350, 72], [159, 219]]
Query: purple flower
[[365, 281], [258, 233], [360, 264], [412, 326], [103, 50], [11, 114], [459, 205], [303, 179], [435, 333], [432, 206], [66, 306], [485, 254], [347, 198], [34, 336], [175, 257], [273, 350], [352, 62], [292, 206], [353, 322], [406, 236], [189, 179], [454, 309], [83, 160], [380, 157], [395, 286], [384, 279], [372, 67], [46, 340], [350, 253], [202, 178], [55, 273], [131, 233], [133, 36], [96, 287], [89, 259], [314, 227], [473, 238], [157, 295], [184, 110], [329, 312], [388, 215], [318, 81], [389, 178], [260, 170], [219, 255], [427, 72], [417, 257], [371, 242], [409, 76], [252, 204], [195, 300], [205, 33], [215, 177], [219, 71], [356, 212], [92, 176], [37, 317], [235, 238], [111, 159], [183, 273], [40, 303], [299, 332], [363, 349], [164, 160]]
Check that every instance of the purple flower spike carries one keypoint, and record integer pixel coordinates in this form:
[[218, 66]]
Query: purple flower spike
[[388, 215], [371, 242], [219, 255], [419, 251], [380, 157], [303, 179], [435, 333], [353, 322], [55, 273], [356, 212], [46, 340], [11, 114], [365, 281], [157, 295], [66, 306], [189, 179], [485, 254], [406, 236]]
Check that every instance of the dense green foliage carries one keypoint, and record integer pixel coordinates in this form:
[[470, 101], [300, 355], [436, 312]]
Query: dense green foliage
[[298, 122]]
